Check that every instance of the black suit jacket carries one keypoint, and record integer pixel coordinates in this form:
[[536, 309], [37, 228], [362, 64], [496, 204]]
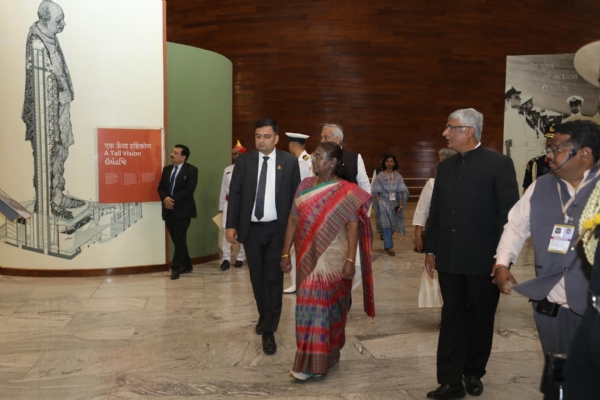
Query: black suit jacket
[[242, 190], [472, 196], [183, 192]]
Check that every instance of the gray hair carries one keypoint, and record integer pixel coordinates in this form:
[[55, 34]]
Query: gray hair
[[470, 117], [446, 152], [44, 13], [336, 131]]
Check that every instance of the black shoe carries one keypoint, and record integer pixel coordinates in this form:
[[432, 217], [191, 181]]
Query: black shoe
[[174, 274], [187, 270], [225, 265], [447, 392], [473, 385], [268, 343], [239, 264], [259, 328]]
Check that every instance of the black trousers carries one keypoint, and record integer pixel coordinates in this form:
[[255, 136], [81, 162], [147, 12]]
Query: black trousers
[[465, 341], [582, 371], [177, 228], [556, 333], [264, 245]]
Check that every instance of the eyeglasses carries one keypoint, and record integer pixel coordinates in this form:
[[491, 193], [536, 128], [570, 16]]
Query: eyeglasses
[[450, 128], [551, 150]]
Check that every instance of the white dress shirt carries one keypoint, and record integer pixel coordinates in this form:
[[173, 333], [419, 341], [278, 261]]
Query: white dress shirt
[[270, 207], [517, 230]]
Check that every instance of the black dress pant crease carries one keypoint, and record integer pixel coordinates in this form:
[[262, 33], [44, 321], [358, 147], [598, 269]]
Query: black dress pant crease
[[264, 245], [467, 329], [177, 228]]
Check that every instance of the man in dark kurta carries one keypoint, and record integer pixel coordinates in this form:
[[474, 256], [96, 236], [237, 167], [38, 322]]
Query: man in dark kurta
[[473, 193]]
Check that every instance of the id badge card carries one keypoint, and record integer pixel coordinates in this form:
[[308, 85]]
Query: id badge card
[[392, 196], [560, 239]]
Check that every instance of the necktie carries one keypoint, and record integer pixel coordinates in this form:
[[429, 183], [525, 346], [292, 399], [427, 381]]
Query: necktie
[[259, 210], [172, 182]]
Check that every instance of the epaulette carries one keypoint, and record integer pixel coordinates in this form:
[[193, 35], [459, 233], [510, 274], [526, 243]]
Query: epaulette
[[306, 157]]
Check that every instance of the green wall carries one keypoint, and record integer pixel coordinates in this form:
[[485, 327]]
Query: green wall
[[199, 96]]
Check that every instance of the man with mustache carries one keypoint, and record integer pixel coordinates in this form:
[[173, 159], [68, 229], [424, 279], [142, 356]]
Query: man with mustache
[[549, 212], [176, 190], [472, 195]]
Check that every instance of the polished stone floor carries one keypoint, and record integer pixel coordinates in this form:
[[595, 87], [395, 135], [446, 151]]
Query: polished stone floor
[[147, 337]]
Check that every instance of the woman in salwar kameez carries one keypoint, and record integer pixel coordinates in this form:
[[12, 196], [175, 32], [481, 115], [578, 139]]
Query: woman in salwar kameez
[[390, 195], [328, 218]]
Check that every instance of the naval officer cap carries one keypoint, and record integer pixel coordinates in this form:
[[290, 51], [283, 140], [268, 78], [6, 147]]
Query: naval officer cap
[[510, 90], [574, 99], [296, 137], [526, 98], [587, 62]]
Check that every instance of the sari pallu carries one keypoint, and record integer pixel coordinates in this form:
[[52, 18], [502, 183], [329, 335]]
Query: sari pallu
[[322, 299]]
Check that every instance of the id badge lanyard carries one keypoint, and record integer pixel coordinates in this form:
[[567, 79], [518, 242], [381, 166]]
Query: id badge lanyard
[[391, 195]]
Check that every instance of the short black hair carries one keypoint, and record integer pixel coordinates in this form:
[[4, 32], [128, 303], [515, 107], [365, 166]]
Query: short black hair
[[583, 134], [261, 123], [185, 151], [384, 159]]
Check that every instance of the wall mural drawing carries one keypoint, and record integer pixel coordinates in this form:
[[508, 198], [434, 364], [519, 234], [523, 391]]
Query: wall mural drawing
[[541, 90], [61, 224]]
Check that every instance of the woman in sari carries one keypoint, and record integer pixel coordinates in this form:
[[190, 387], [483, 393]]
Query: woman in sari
[[391, 194], [328, 218]]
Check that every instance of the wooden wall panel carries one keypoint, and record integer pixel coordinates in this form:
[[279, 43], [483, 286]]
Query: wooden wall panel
[[389, 72]]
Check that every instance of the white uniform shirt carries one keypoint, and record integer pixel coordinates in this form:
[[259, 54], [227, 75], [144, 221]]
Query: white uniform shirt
[[225, 186], [305, 163]]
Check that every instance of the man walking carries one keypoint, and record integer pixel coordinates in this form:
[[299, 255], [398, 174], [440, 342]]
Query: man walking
[[176, 190], [472, 195], [262, 189]]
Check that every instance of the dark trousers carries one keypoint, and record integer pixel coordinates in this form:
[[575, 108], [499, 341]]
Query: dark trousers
[[582, 371], [264, 245], [177, 228], [467, 329], [556, 333]]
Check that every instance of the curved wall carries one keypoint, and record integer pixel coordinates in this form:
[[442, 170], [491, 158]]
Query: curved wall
[[199, 116], [389, 72]]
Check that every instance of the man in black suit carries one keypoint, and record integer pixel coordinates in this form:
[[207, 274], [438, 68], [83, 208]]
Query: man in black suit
[[473, 193], [262, 189], [176, 190]]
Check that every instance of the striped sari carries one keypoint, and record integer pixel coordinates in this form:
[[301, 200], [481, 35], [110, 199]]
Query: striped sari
[[322, 295]]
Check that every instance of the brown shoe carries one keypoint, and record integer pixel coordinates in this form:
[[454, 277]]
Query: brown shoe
[[391, 252]]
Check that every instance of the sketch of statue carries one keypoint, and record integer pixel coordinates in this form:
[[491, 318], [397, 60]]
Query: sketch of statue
[[47, 111], [60, 225]]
